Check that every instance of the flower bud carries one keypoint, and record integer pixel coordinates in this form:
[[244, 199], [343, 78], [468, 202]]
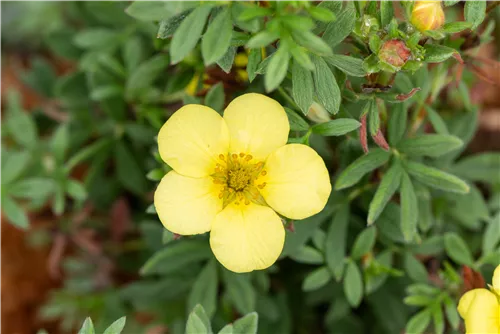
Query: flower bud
[[427, 15], [318, 114], [394, 52]]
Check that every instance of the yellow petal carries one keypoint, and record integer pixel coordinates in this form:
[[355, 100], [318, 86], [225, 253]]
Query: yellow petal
[[297, 181], [247, 237], [496, 280], [480, 311], [192, 139], [187, 205], [257, 124]]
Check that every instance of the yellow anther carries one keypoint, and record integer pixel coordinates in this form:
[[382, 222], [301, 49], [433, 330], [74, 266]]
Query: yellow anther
[[234, 156], [247, 202], [221, 195], [242, 155], [222, 157], [263, 173], [248, 157]]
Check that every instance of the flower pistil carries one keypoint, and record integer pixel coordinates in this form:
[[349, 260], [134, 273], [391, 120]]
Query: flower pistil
[[239, 177]]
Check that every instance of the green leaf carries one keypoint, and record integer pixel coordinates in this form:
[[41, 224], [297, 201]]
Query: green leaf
[[189, 32], [35, 188], [150, 10], [336, 127], [198, 322], [169, 26], [475, 12], [325, 85], [397, 123], [97, 39], [14, 214], [312, 42], [144, 75], [128, 170], [437, 122], [176, 255], [336, 238], [353, 284], [457, 249], [451, 312], [349, 65], [116, 327], [301, 56], [321, 14], [297, 123], [479, 167], [240, 291], [437, 317], [450, 2], [364, 243], [375, 43], [215, 97], [388, 186], [302, 87], [87, 152], [296, 22], [409, 209], [316, 279], [435, 53], [436, 178], [87, 327], [247, 324], [262, 39], [468, 209], [374, 118], [419, 322], [333, 6], [361, 166], [491, 236], [432, 145], [276, 71], [76, 190], [204, 290], [307, 254], [59, 142], [228, 329], [20, 125], [454, 27], [217, 39], [226, 62], [14, 166], [415, 269], [386, 12], [254, 58], [338, 30], [106, 92]]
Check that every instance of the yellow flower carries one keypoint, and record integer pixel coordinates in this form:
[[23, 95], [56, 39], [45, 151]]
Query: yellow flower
[[427, 15], [480, 308], [232, 176]]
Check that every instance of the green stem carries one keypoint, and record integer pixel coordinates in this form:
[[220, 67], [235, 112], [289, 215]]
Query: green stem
[[288, 98]]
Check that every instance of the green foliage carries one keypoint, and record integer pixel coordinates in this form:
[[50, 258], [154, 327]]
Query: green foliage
[[88, 154]]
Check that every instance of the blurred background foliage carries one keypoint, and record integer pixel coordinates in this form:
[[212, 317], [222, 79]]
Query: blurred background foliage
[[87, 85]]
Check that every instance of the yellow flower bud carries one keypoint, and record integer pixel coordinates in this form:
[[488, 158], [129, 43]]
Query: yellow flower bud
[[318, 114], [427, 15]]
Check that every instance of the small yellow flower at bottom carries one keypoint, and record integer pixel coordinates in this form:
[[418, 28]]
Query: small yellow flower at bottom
[[480, 308], [233, 174]]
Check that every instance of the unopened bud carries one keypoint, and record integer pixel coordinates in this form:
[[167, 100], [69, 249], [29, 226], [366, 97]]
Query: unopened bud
[[394, 52], [427, 15], [318, 114]]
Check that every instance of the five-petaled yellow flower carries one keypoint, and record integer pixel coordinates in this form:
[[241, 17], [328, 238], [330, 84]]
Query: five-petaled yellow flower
[[480, 308], [232, 175]]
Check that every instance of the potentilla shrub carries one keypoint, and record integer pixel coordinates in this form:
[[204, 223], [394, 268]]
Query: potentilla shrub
[[264, 167]]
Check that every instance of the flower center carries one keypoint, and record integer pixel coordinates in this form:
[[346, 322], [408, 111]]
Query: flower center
[[239, 174]]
